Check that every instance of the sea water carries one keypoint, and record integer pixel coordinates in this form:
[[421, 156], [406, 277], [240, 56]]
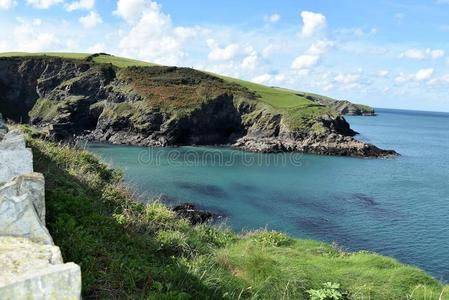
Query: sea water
[[398, 207]]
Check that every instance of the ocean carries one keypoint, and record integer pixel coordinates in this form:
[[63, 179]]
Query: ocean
[[397, 207]]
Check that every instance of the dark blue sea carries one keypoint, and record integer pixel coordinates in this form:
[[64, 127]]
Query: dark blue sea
[[398, 207]]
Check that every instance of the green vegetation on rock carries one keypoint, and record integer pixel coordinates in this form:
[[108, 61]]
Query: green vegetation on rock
[[152, 83], [299, 112], [130, 250]]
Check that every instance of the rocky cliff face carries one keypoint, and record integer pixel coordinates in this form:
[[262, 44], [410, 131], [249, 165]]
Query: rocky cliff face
[[160, 106]]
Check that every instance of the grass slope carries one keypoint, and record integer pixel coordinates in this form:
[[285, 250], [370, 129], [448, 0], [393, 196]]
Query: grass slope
[[120, 62], [299, 112], [128, 250]]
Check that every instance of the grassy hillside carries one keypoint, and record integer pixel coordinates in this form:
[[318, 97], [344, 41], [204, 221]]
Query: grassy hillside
[[128, 250], [299, 111]]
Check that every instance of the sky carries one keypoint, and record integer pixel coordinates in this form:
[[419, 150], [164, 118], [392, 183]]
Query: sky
[[385, 53]]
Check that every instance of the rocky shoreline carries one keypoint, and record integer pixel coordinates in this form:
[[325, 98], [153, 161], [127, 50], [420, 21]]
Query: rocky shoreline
[[194, 215]]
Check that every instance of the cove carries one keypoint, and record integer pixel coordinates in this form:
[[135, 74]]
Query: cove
[[398, 207]]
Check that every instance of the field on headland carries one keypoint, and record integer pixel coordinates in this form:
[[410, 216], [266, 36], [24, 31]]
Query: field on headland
[[130, 250]]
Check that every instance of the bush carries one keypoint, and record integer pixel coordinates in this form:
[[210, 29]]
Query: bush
[[330, 291], [272, 238]]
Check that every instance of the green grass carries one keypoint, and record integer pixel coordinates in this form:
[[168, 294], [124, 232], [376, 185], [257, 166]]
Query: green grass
[[128, 250], [50, 54], [277, 98], [120, 62], [300, 113]]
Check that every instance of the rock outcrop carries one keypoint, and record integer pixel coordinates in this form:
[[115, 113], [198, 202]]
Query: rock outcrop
[[344, 107], [15, 158], [31, 265], [195, 216], [164, 106]]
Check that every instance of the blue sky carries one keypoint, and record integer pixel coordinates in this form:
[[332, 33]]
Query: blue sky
[[383, 53]]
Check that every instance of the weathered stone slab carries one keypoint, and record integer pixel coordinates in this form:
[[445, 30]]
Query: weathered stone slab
[[32, 184], [13, 140], [34, 271], [22, 210], [31, 266], [20, 255], [14, 163]]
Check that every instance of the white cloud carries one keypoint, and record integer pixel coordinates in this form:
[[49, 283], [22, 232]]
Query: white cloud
[[7, 4], [274, 18], [151, 35], [262, 78], [347, 78], [420, 75], [312, 55], [328, 87], [131, 10], [28, 37], [280, 78], [222, 54], [43, 4], [250, 62], [422, 54], [320, 47], [269, 50], [312, 22], [383, 73], [305, 61], [424, 74], [439, 81], [91, 20], [402, 77], [81, 4]]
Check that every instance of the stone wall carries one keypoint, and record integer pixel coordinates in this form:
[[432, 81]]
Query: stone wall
[[31, 266]]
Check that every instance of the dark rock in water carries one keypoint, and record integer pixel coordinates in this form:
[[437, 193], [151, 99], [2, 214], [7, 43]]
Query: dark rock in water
[[190, 212], [204, 189]]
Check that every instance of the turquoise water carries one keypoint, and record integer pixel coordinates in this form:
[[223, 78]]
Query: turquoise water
[[398, 207]]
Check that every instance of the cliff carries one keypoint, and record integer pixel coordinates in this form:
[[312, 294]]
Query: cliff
[[168, 106]]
